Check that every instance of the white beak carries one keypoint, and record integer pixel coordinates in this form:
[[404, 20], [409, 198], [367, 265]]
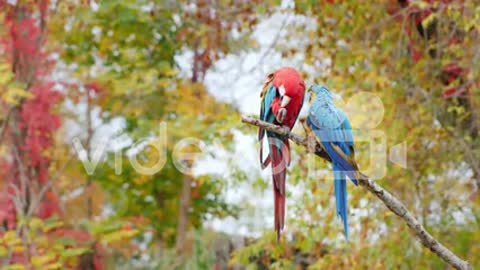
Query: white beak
[[285, 101]]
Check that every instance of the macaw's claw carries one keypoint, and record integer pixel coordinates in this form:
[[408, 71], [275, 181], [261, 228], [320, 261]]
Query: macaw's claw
[[281, 115]]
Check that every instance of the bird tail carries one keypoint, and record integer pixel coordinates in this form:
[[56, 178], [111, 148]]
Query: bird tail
[[341, 196], [279, 153], [349, 167], [263, 162]]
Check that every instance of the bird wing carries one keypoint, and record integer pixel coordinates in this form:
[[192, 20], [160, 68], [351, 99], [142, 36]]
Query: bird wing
[[347, 133], [331, 127], [268, 95]]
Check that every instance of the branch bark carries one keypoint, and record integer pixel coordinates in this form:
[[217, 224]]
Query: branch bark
[[390, 201]]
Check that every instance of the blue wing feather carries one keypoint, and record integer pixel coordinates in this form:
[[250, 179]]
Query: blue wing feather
[[332, 128], [267, 115], [265, 112], [346, 127]]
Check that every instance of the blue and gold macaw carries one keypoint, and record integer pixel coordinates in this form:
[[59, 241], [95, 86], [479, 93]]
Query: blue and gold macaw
[[333, 132]]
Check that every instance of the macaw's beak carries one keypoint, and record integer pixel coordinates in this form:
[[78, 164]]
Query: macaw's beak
[[285, 101]]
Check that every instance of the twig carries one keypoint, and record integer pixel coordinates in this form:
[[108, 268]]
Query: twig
[[468, 155], [262, 58], [272, 45], [392, 203], [5, 123], [24, 183], [36, 201]]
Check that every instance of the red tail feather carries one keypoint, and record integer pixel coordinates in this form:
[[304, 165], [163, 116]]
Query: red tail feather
[[279, 159], [287, 151], [261, 132]]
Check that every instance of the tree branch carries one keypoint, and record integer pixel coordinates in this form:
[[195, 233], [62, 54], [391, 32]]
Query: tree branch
[[392, 203]]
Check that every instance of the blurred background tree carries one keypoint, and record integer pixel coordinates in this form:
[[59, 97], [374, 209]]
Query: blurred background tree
[[108, 73]]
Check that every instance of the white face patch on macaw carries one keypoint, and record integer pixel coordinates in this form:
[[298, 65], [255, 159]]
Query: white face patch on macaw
[[285, 99], [281, 90]]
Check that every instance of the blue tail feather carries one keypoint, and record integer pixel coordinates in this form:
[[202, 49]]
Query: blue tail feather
[[341, 196], [341, 164]]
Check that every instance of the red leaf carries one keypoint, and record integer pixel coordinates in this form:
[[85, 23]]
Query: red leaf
[[416, 55], [93, 86]]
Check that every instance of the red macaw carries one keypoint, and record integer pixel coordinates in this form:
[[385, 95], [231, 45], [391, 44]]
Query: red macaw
[[282, 99]]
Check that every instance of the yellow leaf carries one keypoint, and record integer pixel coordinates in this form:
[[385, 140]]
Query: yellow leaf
[[10, 238], [14, 91], [36, 223], [3, 251], [170, 72], [18, 249], [163, 83], [4, 67], [5, 77], [41, 260], [118, 235], [15, 267], [41, 240], [53, 266], [427, 21], [52, 225], [58, 248]]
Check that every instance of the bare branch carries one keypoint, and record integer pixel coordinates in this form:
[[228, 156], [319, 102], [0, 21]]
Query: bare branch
[[5, 123], [36, 200], [390, 201]]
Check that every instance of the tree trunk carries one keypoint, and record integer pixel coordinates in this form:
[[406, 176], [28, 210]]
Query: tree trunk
[[182, 224]]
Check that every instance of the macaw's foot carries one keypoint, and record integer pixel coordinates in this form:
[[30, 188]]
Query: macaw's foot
[[281, 115]]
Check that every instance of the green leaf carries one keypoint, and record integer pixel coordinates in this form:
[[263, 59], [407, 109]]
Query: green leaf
[[74, 252]]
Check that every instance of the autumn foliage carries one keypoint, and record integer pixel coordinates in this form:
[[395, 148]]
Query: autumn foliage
[[78, 76]]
